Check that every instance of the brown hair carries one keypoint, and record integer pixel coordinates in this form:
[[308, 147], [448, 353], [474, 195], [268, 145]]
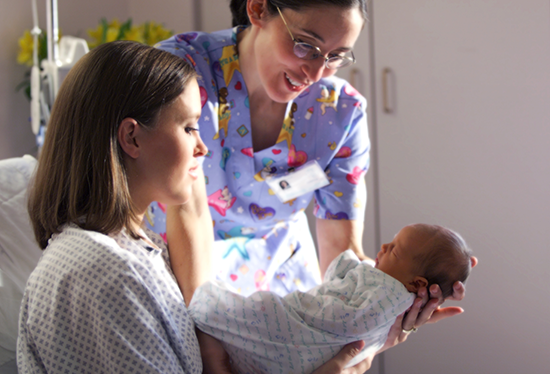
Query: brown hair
[[81, 178], [447, 259], [240, 16]]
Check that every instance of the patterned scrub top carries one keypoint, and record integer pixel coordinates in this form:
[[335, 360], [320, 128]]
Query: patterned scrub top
[[261, 242], [105, 304], [264, 333]]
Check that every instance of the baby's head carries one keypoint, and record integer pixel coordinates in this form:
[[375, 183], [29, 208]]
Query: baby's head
[[421, 255]]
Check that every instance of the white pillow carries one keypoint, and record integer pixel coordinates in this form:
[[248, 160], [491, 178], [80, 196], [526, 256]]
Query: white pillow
[[19, 252]]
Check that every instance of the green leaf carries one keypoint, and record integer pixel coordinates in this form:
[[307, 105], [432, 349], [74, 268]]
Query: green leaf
[[146, 31], [126, 26], [105, 28], [26, 87], [42, 47]]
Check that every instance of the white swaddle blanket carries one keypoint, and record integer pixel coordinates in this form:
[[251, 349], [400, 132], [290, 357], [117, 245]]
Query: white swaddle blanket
[[264, 333]]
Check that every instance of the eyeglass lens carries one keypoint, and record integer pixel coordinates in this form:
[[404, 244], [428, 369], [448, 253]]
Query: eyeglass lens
[[308, 52], [305, 51]]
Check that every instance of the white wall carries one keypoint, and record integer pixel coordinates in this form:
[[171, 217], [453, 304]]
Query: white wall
[[176, 15], [215, 15], [467, 147]]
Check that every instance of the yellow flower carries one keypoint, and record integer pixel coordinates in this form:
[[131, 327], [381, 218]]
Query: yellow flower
[[148, 33], [135, 34], [155, 32], [26, 47], [112, 34], [115, 24], [96, 35], [104, 32]]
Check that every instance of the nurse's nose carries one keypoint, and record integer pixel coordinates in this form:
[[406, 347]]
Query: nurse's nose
[[315, 69]]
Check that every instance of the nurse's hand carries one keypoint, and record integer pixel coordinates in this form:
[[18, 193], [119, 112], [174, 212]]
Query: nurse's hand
[[338, 362], [426, 308]]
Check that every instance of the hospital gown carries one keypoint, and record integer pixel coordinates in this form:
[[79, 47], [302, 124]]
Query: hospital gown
[[100, 304], [265, 333]]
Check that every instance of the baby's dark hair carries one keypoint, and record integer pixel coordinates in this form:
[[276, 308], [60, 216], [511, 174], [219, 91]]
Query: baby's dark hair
[[447, 259]]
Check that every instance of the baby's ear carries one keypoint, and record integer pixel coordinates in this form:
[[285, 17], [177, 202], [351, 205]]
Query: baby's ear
[[417, 283]]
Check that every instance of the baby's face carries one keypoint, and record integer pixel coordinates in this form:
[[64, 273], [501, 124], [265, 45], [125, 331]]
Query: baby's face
[[397, 258]]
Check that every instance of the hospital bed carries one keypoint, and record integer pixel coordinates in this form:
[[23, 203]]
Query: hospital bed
[[19, 252]]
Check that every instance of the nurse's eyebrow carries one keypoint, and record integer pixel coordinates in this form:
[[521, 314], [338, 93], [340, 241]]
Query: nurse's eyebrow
[[314, 35]]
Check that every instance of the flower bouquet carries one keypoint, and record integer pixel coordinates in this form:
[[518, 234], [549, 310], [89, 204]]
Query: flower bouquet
[[148, 33]]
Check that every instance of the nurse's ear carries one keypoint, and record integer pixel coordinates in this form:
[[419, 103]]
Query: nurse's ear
[[257, 11], [127, 137]]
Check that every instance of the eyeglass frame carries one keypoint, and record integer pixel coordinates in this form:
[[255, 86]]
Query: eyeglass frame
[[347, 60]]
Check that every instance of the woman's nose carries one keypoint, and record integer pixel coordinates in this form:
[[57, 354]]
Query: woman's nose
[[201, 149]]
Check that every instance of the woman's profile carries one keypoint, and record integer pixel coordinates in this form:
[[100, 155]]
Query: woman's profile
[[123, 133]]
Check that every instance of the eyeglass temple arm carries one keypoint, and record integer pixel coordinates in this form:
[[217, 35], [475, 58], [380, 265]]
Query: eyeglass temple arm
[[284, 21]]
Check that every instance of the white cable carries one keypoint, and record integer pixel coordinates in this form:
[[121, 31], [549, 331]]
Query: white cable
[[35, 74], [53, 51]]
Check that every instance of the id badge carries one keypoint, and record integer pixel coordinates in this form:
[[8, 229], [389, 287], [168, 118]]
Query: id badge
[[306, 178]]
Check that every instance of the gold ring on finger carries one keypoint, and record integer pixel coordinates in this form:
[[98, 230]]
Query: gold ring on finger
[[413, 329]]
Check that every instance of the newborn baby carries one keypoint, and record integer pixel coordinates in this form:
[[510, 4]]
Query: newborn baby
[[299, 332]]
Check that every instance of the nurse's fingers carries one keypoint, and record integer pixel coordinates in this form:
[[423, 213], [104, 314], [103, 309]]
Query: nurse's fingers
[[396, 334], [442, 313]]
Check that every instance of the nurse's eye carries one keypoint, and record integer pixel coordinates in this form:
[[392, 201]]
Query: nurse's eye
[[190, 129], [334, 54]]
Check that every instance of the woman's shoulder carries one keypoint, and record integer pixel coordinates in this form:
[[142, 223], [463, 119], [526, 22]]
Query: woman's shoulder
[[198, 42], [335, 92], [331, 100], [78, 249], [88, 261], [78, 236], [341, 86]]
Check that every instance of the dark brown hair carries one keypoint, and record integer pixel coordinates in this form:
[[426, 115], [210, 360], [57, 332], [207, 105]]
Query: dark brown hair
[[446, 260], [240, 16], [81, 177]]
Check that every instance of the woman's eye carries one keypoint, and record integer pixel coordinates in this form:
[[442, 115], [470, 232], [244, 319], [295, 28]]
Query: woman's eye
[[189, 130]]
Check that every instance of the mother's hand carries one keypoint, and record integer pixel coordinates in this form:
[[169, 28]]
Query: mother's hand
[[215, 359], [338, 362]]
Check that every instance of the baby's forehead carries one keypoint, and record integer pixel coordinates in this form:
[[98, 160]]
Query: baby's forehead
[[415, 231], [418, 237], [423, 230]]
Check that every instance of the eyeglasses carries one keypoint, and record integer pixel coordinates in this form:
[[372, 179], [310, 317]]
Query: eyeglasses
[[306, 51]]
